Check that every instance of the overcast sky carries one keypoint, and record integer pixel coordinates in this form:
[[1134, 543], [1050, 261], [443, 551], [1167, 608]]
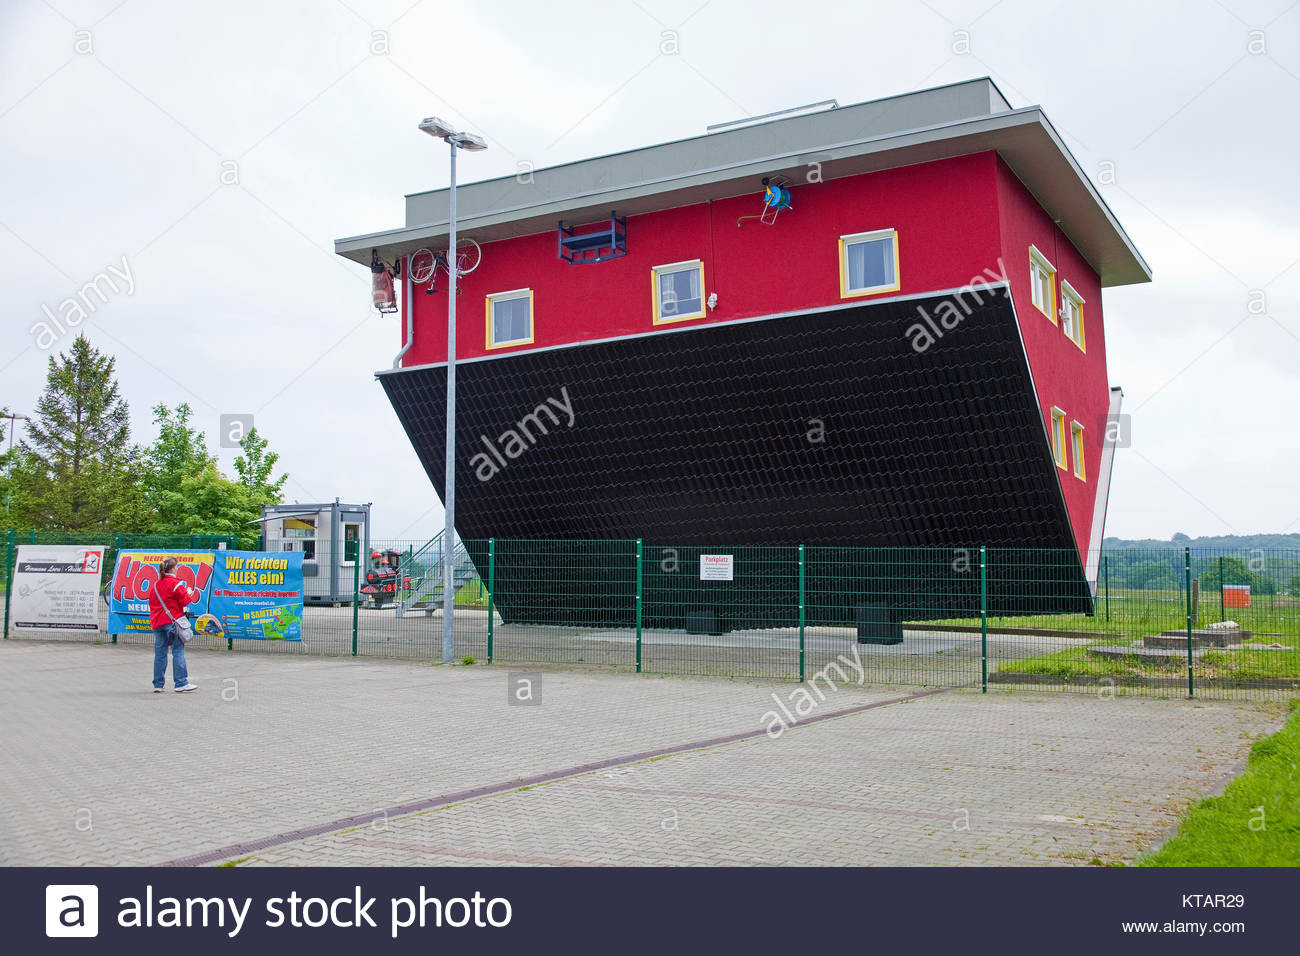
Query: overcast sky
[[215, 151]]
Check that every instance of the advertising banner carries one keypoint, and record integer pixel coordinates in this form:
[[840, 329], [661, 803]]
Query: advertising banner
[[258, 594], [56, 587], [135, 575], [254, 595]]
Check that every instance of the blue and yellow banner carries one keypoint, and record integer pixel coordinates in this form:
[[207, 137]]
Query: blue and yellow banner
[[255, 595]]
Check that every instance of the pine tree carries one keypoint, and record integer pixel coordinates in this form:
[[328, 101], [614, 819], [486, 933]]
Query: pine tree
[[77, 470]]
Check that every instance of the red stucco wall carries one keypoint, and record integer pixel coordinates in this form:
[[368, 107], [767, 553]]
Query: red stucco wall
[[945, 213], [1064, 376]]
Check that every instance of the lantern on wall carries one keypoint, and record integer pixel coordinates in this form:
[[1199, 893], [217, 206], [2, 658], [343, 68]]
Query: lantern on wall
[[383, 297]]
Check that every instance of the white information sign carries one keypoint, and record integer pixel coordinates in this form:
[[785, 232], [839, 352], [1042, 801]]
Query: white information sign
[[717, 567], [55, 587]]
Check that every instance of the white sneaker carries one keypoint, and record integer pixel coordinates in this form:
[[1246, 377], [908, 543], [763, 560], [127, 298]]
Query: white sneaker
[[187, 688], [157, 690]]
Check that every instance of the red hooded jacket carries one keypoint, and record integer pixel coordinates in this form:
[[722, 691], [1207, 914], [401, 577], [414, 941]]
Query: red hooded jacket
[[167, 600]]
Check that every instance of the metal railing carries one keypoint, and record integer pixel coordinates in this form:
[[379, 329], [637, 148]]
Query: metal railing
[[424, 568]]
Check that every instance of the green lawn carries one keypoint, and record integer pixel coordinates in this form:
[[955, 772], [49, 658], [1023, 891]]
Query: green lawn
[[1139, 613], [1221, 664], [1257, 820], [473, 594]]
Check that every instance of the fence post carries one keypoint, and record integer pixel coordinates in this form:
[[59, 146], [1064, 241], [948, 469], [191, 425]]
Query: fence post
[[117, 549], [638, 605], [1223, 610], [1105, 563], [984, 621], [356, 597], [803, 617], [1187, 576], [492, 590], [9, 575]]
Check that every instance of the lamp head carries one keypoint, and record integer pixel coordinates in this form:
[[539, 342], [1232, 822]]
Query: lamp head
[[437, 127], [443, 130], [469, 141]]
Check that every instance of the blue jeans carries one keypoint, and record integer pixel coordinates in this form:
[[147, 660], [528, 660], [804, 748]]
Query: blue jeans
[[163, 638]]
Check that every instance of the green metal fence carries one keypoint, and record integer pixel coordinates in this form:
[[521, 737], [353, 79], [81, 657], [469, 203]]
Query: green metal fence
[[1164, 622]]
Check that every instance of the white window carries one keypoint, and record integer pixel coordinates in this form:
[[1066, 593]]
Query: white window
[[509, 318], [677, 291], [1072, 314], [869, 262], [1076, 443], [1058, 437], [1042, 283]]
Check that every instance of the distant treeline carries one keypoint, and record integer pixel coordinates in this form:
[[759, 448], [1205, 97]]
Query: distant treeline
[[1269, 563]]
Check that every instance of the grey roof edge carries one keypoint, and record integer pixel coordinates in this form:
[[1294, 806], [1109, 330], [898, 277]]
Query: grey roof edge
[[319, 506], [1092, 191], [1101, 503], [357, 248], [593, 197], [1001, 104]]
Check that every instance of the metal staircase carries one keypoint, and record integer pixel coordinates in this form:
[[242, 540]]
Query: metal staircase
[[426, 567]]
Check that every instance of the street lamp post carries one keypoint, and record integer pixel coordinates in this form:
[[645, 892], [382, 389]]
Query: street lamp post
[[457, 140]]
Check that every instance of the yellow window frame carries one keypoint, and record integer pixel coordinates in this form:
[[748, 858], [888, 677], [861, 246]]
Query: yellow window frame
[[1058, 437], [488, 300], [1039, 262], [655, 272], [846, 241], [1068, 295], [1076, 449]]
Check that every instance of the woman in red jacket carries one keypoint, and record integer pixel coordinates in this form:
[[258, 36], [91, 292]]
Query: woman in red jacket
[[167, 600]]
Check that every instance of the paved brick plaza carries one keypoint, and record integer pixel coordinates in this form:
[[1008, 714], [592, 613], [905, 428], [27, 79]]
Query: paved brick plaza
[[96, 770]]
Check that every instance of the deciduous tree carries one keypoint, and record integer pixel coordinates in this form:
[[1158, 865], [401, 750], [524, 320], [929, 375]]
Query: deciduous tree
[[256, 466]]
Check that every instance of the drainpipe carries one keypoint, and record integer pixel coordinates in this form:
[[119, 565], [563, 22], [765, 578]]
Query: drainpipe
[[408, 306]]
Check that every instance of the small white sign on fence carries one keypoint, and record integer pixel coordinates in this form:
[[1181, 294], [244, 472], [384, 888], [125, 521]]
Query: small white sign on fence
[[717, 567], [56, 587]]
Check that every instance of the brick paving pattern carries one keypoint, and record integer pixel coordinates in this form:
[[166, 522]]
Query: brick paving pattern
[[96, 770]]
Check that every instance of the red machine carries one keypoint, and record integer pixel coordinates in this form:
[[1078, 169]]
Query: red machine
[[381, 579]]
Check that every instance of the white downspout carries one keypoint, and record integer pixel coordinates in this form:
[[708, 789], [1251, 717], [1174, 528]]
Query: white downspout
[[409, 305]]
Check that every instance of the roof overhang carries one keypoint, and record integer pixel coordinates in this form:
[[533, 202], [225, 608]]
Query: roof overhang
[[845, 142]]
